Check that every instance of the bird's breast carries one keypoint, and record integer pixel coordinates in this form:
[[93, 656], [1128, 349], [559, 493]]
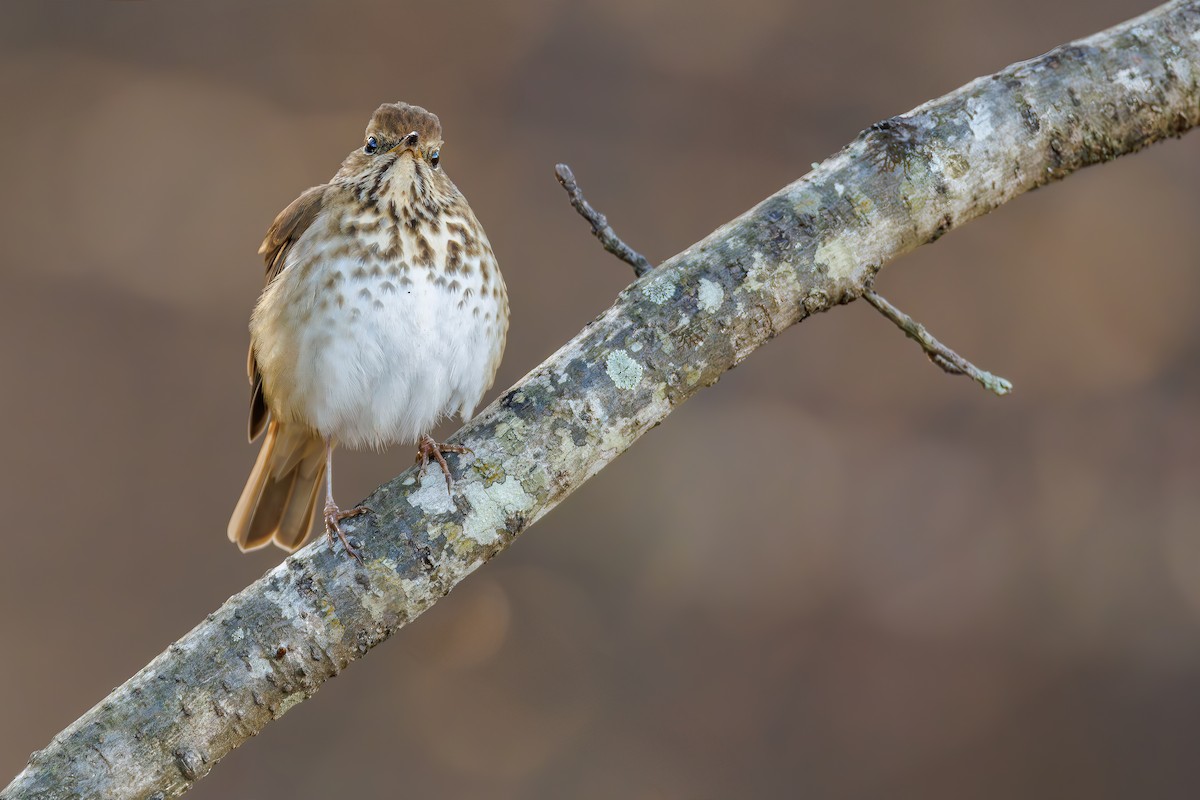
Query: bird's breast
[[371, 337]]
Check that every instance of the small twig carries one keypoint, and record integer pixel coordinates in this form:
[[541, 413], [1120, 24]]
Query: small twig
[[600, 227], [938, 353]]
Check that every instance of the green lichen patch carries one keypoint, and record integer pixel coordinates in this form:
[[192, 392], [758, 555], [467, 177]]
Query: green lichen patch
[[710, 295], [623, 370], [659, 291]]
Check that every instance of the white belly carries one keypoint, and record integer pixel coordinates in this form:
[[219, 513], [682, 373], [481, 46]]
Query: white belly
[[372, 357]]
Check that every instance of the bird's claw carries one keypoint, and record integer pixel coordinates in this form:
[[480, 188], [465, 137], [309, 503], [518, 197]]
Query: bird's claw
[[428, 449], [333, 519]]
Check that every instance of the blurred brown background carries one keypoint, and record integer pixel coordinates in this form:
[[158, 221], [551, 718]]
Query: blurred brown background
[[900, 586]]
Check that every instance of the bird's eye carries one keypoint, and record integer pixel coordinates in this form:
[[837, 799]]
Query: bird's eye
[[372, 145], [434, 157]]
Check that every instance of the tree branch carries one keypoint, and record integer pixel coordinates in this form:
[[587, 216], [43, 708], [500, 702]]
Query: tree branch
[[815, 244], [941, 355]]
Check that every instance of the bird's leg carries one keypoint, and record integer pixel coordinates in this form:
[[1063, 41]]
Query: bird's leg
[[427, 448], [334, 515]]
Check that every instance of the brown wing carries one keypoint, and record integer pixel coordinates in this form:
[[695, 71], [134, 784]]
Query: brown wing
[[289, 226]]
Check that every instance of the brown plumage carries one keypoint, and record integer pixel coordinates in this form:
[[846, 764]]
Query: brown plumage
[[383, 311], [280, 498]]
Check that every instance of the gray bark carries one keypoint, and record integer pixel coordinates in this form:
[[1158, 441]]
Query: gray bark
[[815, 244]]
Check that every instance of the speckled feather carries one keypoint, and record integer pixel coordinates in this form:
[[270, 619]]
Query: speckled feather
[[384, 311]]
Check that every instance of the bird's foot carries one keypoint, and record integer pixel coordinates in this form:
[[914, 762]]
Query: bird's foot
[[333, 519], [428, 449]]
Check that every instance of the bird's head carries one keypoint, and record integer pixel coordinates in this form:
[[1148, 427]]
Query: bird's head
[[401, 142]]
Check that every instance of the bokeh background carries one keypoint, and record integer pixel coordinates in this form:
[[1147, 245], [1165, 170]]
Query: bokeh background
[[837, 573]]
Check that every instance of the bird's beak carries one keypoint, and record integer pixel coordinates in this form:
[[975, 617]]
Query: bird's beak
[[408, 141]]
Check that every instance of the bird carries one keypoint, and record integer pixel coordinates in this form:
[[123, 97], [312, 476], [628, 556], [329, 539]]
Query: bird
[[383, 312]]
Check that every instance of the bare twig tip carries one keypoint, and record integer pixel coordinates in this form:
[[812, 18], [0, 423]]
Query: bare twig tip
[[600, 227], [938, 353]]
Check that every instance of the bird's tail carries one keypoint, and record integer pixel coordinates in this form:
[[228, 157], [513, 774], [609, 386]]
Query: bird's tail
[[280, 497]]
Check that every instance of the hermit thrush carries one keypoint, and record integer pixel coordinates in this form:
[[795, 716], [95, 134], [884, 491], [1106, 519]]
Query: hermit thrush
[[384, 311]]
